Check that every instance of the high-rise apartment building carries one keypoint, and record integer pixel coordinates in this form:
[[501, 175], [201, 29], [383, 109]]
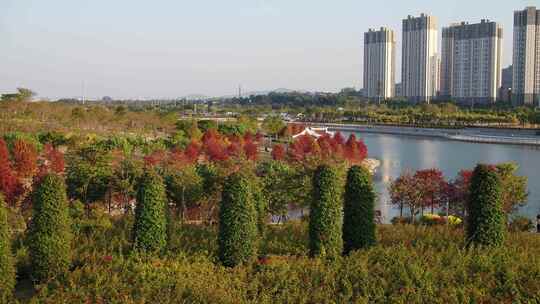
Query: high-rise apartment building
[[471, 62], [419, 70], [526, 59], [506, 84], [379, 64]]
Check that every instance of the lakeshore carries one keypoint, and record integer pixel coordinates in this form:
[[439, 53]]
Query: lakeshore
[[478, 135]]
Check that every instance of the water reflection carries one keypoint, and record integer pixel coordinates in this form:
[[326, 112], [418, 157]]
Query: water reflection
[[398, 153]]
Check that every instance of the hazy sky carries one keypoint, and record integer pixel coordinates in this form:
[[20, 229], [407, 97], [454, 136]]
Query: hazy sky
[[172, 48]]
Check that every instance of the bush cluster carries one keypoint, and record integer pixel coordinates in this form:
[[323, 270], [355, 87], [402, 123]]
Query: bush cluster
[[7, 263], [238, 222], [359, 214], [326, 214], [486, 220], [150, 227], [50, 235]]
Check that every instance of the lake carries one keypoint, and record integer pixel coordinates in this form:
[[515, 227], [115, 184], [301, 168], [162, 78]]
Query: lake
[[398, 152]]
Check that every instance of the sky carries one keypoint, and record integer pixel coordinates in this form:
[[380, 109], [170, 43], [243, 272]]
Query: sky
[[173, 48]]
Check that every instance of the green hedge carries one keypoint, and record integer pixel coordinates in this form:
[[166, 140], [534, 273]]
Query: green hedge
[[237, 238], [359, 214], [50, 234], [486, 221], [7, 266], [150, 226], [326, 214]]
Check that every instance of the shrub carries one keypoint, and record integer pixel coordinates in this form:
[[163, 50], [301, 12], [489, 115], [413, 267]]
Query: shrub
[[237, 238], [359, 213], [326, 217], [150, 226], [522, 224], [486, 222], [401, 220], [50, 235], [7, 266]]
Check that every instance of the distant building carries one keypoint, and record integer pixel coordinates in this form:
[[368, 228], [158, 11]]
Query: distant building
[[526, 58], [399, 89], [471, 62], [379, 64], [419, 63], [506, 84]]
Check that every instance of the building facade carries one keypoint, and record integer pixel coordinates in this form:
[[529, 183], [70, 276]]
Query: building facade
[[419, 70], [526, 57], [506, 84], [471, 62], [379, 64]]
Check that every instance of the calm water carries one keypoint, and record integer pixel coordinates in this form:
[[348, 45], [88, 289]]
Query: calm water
[[397, 153]]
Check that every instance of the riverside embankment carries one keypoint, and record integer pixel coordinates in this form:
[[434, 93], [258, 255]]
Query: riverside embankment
[[479, 135]]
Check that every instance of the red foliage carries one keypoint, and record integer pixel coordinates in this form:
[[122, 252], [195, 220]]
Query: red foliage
[[433, 187], [9, 185], [301, 147], [259, 137], [251, 151], [278, 152], [338, 138], [192, 151], [215, 149], [355, 150], [25, 159], [54, 159], [155, 158]]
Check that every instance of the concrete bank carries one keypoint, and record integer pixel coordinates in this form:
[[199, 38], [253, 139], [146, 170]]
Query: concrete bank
[[511, 137]]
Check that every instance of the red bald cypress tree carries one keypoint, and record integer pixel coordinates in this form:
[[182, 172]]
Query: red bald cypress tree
[[9, 184]]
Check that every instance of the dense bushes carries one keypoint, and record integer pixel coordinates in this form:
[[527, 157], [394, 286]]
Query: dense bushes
[[50, 235], [150, 227], [359, 213], [7, 266], [238, 232], [486, 220], [408, 265], [326, 214]]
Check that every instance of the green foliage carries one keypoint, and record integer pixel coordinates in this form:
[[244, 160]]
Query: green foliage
[[326, 214], [279, 185], [359, 214], [184, 187], [409, 264], [7, 263], [50, 234], [273, 125], [22, 94], [521, 224], [237, 238], [88, 175], [150, 226], [486, 221], [515, 194]]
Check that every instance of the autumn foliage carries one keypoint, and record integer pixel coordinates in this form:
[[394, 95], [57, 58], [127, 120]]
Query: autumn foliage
[[328, 147], [9, 185]]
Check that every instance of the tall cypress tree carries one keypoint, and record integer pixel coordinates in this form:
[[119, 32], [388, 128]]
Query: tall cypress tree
[[150, 226], [238, 231], [7, 266], [359, 213], [50, 233], [326, 214], [486, 221]]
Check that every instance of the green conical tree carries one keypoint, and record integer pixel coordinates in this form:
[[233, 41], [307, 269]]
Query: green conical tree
[[237, 238], [326, 214], [150, 226], [486, 220], [7, 266], [359, 213], [50, 233]]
